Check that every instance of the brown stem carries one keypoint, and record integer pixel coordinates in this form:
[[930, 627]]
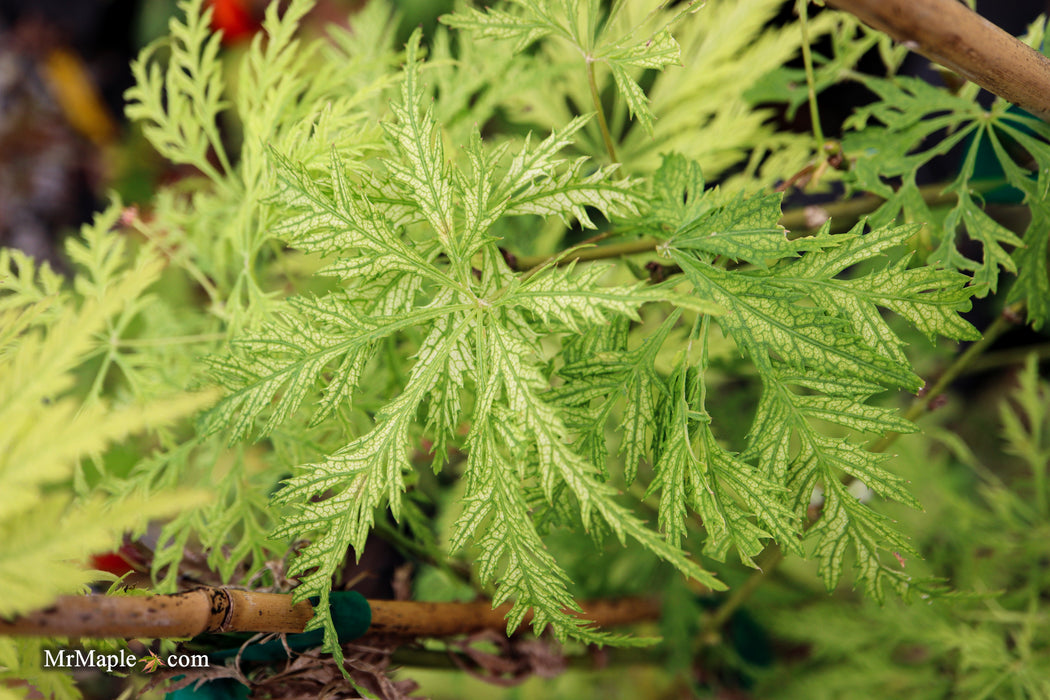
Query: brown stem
[[844, 214], [227, 610], [409, 618], [949, 33], [576, 252], [768, 563], [455, 569]]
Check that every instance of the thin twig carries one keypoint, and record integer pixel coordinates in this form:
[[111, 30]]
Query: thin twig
[[1007, 358], [802, 7], [768, 562], [1006, 321], [444, 661], [187, 264], [564, 257], [172, 340], [455, 569]]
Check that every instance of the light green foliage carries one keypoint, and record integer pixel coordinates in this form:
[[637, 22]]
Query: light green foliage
[[903, 109], [1026, 428], [178, 106], [52, 421], [725, 46], [46, 535], [585, 27], [850, 40], [221, 238], [20, 661], [700, 58], [1033, 273], [282, 100], [482, 326], [896, 135], [693, 470], [990, 645]]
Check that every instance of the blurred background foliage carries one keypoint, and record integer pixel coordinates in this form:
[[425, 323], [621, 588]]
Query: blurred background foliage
[[979, 469]]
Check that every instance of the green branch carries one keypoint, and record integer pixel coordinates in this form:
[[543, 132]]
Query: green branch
[[797, 221], [602, 123], [1008, 358], [802, 7], [1007, 320]]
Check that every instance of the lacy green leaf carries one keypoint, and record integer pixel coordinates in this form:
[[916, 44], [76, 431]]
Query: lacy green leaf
[[908, 112], [821, 346], [580, 26], [398, 241]]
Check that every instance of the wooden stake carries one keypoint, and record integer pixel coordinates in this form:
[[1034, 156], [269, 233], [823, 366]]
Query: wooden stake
[[949, 33], [189, 614], [164, 616]]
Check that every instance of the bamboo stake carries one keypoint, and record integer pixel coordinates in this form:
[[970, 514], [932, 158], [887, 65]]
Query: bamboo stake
[[162, 616], [949, 33], [211, 610]]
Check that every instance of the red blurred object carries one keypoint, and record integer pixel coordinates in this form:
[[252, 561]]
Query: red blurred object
[[235, 19], [126, 559], [111, 562]]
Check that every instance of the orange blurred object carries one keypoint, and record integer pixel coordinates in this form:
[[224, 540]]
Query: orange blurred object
[[74, 89]]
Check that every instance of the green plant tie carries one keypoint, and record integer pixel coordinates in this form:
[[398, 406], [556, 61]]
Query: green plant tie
[[351, 615]]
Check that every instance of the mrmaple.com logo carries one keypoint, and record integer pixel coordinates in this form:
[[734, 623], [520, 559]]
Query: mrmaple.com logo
[[121, 661]]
